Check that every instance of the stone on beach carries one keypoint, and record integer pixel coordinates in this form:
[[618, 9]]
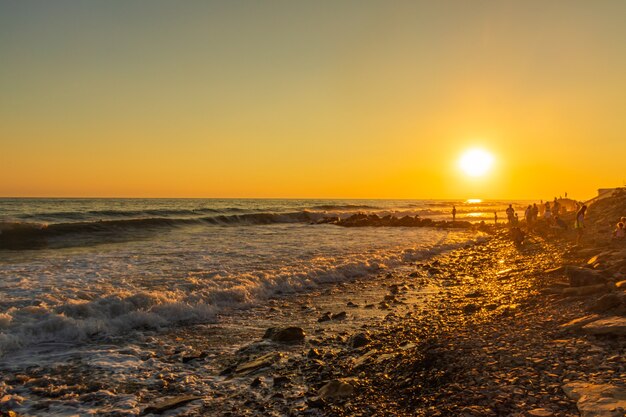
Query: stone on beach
[[606, 302], [597, 400], [540, 412], [578, 323], [336, 389], [607, 326], [359, 340], [285, 335], [586, 290], [580, 277], [262, 361], [169, 403]]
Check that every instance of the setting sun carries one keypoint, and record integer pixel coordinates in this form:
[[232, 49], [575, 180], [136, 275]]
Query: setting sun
[[476, 162]]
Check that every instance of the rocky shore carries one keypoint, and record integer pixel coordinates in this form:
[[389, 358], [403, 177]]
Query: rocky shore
[[536, 330], [489, 329], [374, 220]]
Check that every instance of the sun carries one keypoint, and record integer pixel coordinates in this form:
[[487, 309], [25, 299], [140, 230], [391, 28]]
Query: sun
[[476, 162]]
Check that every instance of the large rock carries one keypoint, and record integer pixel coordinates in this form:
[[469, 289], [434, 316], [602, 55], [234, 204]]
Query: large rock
[[597, 400], [285, 335], [578, 323], [615, 326], [579, 277], [606, 302], [586, 290], [336, 389]]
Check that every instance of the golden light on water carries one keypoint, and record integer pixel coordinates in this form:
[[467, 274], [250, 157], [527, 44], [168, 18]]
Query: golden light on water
[[473, 201], [476, 162]]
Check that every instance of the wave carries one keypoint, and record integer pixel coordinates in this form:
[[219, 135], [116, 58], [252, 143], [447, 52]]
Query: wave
[[90, 214], [194, 300], [24, 235], [344, 207]]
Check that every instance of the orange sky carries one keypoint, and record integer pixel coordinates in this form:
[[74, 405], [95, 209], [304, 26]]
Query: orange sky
[[286, 99]]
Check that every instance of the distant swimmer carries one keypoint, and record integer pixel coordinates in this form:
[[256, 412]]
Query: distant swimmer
[[453, 213], [495, 217]]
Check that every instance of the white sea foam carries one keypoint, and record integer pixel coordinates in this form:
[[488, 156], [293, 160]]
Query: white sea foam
[[73, 312]]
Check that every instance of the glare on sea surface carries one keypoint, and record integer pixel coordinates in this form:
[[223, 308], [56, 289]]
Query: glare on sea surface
[[473, 201], [476, 162]]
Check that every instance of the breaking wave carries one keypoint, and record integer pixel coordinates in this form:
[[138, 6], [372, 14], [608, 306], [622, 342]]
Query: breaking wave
[[24, 235], [198, 298]]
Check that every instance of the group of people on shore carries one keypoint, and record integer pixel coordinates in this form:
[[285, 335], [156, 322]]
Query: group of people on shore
[[551, 216]]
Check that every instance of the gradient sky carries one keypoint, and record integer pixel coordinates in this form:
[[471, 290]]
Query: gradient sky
[[352, 99]]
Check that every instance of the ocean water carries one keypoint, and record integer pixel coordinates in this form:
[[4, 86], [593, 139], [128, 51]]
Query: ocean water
[[80, 271]]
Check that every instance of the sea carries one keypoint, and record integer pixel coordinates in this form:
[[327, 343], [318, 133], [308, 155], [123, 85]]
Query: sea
[[85, 278]]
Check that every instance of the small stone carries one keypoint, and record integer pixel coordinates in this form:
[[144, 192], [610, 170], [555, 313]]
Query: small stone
[[324, 317], [470, 308], [281, 380], [170, 403], [540, 412], [313, 354], [285, 335], [336, 389], [359, 340], [339, 316]]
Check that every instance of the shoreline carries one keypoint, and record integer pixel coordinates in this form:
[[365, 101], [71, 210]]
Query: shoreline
[[410, 343], [489, 341]]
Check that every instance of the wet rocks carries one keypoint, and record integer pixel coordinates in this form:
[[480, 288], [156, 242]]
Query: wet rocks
[[285, 335]]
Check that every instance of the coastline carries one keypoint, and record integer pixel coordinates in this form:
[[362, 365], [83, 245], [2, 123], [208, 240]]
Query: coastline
[[491, 340], [475, 331]]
